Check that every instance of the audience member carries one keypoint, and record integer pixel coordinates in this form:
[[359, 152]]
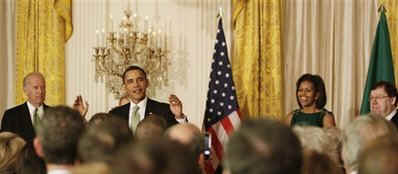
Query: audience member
[[136, 82], [190, 136], [319, 163], [151, 126], [380, 156], [57, 138], [100, 141], [98, 118], [311, 98], [383, 101], [11, 146], [263, 147], [323, 141], [358, 134], [31, 163], [155, 156]]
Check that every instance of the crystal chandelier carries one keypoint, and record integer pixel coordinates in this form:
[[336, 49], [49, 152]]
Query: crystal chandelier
[[132, 44]]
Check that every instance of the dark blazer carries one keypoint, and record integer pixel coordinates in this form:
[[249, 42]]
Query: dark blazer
[[152, 107], [17, 120], [394, 119]]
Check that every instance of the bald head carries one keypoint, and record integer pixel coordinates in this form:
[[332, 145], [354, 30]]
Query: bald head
[[183, 133], [34, 87]]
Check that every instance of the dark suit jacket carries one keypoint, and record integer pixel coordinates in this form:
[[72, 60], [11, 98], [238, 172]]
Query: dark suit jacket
[[394, 119], [17, 120], [152, 106]]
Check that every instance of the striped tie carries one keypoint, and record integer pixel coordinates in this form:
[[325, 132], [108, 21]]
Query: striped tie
[[135, 118], [36, 118]]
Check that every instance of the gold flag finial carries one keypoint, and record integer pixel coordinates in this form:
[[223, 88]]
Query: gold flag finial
[[382, 8]]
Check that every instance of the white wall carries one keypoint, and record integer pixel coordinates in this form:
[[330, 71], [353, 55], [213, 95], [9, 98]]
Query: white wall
[[192, 35]]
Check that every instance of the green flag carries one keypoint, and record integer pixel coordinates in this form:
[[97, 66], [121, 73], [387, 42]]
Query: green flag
[[381, 66]]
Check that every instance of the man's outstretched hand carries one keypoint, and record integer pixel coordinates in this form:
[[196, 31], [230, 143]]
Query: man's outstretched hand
[[80, 106]]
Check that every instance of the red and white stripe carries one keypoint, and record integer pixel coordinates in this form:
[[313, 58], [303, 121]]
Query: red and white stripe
[[220, 133]]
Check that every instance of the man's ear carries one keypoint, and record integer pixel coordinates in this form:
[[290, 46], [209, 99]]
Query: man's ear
[[394, 100], [38, 147]]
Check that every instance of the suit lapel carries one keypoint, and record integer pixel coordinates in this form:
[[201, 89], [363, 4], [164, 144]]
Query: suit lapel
[[28, 121], [125, 109], [149, 105]]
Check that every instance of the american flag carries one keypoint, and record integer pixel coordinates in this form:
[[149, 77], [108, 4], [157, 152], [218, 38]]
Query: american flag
[[222, 111]]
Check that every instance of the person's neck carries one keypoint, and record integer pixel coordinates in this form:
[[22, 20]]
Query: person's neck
[[59, 166], [36, 105], [310, 109], [137, 101], [349, 169]]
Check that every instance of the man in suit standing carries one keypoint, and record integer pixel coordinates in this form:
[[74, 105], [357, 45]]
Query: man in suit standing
[[135, 82], [383, 101], [22, 118]]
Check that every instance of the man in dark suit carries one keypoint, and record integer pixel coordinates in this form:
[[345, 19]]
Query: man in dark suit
[[135, 82], [21, 119], [383, 101]]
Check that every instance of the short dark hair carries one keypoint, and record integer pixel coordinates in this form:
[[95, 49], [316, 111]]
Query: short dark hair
[[263, 147], [387, 86], [131, 68], [319, 87], [102, 140], [58, 132]]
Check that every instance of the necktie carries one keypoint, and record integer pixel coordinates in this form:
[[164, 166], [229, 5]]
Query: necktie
[[135, 118], [36, 118]]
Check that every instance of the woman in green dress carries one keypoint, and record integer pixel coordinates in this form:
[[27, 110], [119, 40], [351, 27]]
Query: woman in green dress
[[311, 98]]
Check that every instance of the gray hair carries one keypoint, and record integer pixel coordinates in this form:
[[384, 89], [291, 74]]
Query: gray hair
[[361, 132], [27, 77], [324, 141]]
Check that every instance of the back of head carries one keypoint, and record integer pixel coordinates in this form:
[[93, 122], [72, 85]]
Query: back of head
[[263, 147], [58, 133], [359, 133], [100, 141], [98, 118], [380, 157], [324, 141], [11, 146], [151, 127], [187, 134], [155, 156], [318, 163]]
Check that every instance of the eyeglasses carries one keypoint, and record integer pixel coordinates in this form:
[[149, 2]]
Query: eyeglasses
[[377, 97]]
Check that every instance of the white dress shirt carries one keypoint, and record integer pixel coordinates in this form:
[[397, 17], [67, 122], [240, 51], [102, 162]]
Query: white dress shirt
[[141, 111], [389, 116], [32, 109], [58, 171]]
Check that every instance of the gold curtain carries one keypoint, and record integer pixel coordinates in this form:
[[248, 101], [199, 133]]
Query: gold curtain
[[43, 27], [257, 58], [392, 17]]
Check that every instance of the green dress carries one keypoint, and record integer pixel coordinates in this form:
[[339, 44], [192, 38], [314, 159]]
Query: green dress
[[306, 119]]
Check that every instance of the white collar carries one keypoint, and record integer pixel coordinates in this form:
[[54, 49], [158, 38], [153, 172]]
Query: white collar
[[32, 108], [140, 104], [58, 171], [389, 116]]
